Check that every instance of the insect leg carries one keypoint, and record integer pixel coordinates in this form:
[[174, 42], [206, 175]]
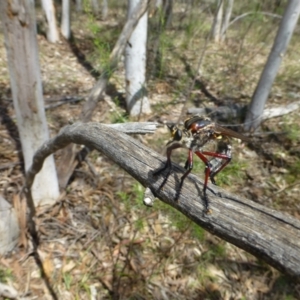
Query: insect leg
[[188, 166], [207, 169], [168, 164], [220, 160], [207, 174]]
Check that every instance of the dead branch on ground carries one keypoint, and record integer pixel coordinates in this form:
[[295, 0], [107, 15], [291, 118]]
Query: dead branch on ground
[[266, 233], [237, 111]]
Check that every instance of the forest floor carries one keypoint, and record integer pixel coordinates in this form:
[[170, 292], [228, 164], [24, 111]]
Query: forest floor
[[99, 241]]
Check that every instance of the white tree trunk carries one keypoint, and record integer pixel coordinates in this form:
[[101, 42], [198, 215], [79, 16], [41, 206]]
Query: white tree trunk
[[158, 4], [104, 9], [135, 66], [65, 19], [52, 31], [19, 26], [79, 5], [216, 28], [9, 227], [284, 34], [168, 11], [227, 15], [95, 7]]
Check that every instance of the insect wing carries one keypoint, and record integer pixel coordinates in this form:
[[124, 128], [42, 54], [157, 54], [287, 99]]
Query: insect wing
[[231, 133]]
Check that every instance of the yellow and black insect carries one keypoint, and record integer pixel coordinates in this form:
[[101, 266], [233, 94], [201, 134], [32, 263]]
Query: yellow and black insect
[[196, 133]]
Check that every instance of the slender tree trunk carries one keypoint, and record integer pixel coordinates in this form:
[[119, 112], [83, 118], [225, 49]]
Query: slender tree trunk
[[52, 31], [104, 9], [79, 5], [95, 7], [284, 34], [168, 12], [135, 66], [9, 227], [216, 28], [67, 162], [158, 4], [19, 24], [155, 59], [65, 19], [226, 19]]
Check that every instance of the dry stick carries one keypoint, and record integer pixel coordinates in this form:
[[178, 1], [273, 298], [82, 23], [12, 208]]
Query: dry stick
[[236, 111], [266, 233], [55, 144], [67, 162]]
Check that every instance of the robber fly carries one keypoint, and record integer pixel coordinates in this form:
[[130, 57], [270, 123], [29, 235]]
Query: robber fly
[[196, 133]]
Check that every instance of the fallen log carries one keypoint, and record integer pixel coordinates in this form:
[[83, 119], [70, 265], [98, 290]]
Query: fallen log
[[268, 234]]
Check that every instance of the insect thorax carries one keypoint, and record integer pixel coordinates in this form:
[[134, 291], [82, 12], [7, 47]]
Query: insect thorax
[[195, 141]]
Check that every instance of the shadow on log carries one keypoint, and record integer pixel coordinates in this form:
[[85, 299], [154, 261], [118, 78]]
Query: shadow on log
[[266, 233]]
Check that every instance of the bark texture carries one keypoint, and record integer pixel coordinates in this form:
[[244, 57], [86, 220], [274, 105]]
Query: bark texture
[[19, 24], [135, 65], [52, 31], [65, 19], [266, 233], [262, 91]]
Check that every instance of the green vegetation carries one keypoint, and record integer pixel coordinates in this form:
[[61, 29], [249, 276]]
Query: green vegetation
[[292, 130], [5, 274], [233, 172], [67, 278], [118, 245]]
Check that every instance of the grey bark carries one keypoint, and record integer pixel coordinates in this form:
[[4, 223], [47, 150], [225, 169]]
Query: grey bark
[[135, 65], [95, 7], [236, 112], [226, 19], [79, 6], [65, 19], [52, 31], [9, 227], [266, 233], [284, 34], [167, 12], [217, 23], [55, 144], [19, 24], [104, 9]]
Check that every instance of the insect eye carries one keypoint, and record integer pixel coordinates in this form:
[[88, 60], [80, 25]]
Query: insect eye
[[177, 135]]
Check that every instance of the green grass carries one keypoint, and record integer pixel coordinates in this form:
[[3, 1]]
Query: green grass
[[67, 279], [134, 201], [215, 251], [119, 118], [5, 274], [292, 130], [294, 172], [234, 171]]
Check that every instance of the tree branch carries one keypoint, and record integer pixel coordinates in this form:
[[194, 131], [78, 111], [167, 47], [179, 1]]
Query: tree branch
[[236, 111], [266, 233]]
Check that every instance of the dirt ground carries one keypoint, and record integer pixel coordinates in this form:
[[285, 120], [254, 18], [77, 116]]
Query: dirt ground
[[99, 241]]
